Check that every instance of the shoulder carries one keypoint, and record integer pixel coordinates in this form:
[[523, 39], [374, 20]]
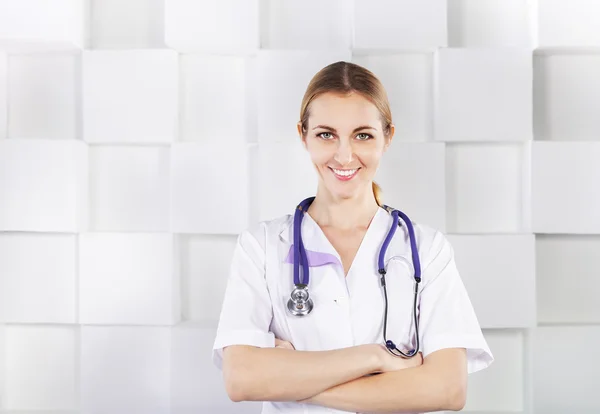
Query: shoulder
[[435, 250], [255, 236]]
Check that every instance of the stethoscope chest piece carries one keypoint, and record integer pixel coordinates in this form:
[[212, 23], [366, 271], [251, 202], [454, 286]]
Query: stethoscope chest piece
[[300, 304]]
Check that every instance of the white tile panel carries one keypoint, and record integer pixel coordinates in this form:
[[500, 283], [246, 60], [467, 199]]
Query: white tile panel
[[283, 77], [3, 95], [566, 95], [487, 188], [145, 268], [37, 278], [483, 94], [568, 23], [41, 25], [41, 367], [130, 96], [489, 23], [567, 281], [561, 386], [285, 177], [43, 96], [133, 24], [500, 387], [408, 82], [400, 24], [214, 26], [306, 24], [214, 98], [209, 188], [499, 273], [197, 385], [205, 265], [43, 185], [125, 369], [412, 179], [2, 365], [565, 197], [129, 188]]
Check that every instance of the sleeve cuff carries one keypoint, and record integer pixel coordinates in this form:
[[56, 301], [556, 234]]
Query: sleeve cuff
[[240, 337], [479, 355]]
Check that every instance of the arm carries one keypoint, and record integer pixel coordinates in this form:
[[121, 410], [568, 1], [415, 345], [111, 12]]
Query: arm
[[439, 384], [277, 374]]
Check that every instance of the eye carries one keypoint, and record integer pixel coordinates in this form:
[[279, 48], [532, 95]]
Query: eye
[[367, 136], [321, 135]]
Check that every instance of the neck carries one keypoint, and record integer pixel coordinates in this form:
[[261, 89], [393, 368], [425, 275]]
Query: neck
[[343, 213]]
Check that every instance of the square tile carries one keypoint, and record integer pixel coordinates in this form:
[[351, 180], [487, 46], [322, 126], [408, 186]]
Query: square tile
[[130, 96]]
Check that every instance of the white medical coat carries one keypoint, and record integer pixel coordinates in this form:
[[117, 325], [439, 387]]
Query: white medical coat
[[348, 309]]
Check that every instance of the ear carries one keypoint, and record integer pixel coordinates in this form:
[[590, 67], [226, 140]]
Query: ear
[[389, 137], [299, 128]]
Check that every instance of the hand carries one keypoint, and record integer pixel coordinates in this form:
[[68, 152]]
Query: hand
[[283, 344], [391, 362]]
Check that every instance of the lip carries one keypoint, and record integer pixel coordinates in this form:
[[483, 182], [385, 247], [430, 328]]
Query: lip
[[339, 177]]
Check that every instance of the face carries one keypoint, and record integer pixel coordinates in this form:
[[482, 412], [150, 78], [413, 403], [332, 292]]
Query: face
[[345, 140]]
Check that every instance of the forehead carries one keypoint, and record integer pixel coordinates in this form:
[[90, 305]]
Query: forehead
[[339, 110]]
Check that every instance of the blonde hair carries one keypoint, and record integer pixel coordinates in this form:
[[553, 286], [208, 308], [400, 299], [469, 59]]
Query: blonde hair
[[345, 78]]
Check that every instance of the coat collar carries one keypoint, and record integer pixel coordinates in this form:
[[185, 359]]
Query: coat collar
[[320, 249]]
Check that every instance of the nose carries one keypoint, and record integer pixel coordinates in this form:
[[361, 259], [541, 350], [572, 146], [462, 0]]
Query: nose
[[344, 152]]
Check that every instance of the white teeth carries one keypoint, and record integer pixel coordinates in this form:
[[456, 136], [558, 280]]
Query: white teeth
[[345, 173]]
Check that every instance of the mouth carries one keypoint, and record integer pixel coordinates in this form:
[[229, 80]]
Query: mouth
[[344, 175]]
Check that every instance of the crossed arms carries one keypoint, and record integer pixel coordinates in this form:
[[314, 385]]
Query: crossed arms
[[340, 378]]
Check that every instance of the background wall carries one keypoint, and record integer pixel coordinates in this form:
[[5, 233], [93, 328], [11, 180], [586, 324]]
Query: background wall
[[139, 137]]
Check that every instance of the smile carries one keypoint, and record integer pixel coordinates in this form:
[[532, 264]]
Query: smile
[[344, 174]]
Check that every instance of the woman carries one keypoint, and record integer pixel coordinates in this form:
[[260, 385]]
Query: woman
[[327, 358]]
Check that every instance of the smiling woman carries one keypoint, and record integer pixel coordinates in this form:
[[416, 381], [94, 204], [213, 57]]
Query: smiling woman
[[318, 352]]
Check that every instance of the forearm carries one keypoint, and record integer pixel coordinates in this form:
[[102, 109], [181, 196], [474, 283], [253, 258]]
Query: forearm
[[421, 389], [276, 374]]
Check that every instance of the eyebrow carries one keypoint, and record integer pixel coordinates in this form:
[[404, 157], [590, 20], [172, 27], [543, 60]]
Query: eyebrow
[[355, 129]]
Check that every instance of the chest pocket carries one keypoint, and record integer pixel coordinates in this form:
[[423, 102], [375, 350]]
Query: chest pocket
[[327, 326], [400, 284]]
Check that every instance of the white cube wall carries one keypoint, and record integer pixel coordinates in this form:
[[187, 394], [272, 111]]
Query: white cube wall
[[202, 202], [129, 188], [43, 96], [566, 95], [41, 368], [568, 283], [399, 24], [131, 160], [50, 194], [144, 266], [282, 80], [127, 25], [3, 95], [408, 81], [483, 94], [125, 369], [214, 101], [423, 199], [487, 188], [145, 82], [565, 197], [230, 26], [306, 25], [490, 23], [497, 269], [204, 278], [40, 25], [37, 278], [286, 175], [568, 23], [572, 387]]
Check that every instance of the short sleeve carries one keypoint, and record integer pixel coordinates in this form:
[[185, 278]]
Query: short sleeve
[[447, 318], [246, 312]]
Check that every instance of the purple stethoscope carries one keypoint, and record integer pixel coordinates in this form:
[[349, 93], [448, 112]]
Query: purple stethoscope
[[300, 303]]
